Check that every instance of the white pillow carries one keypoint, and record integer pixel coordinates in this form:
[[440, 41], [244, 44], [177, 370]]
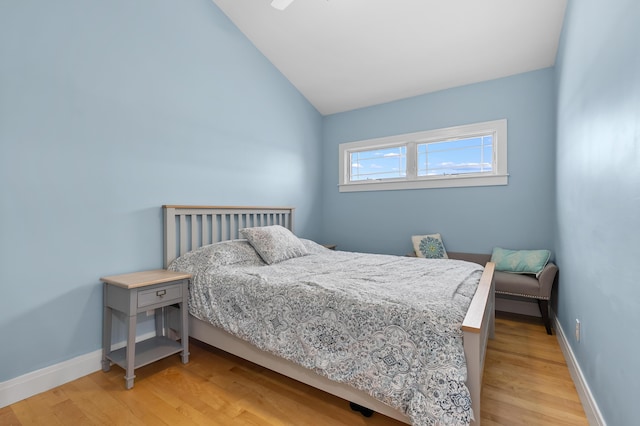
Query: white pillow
[[274, 243], [429, 246]]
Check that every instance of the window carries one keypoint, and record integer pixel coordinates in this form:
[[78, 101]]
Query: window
[[469, 155]]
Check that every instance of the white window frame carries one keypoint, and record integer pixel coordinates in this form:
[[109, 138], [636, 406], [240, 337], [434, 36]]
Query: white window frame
[[497, 176]]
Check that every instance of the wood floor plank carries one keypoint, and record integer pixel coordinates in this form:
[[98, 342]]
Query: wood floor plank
[[534, 406], [526, 382], [8, 417], [35, 411]]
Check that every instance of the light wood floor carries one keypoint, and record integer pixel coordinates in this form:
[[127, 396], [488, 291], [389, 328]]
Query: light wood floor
[[526, 382]]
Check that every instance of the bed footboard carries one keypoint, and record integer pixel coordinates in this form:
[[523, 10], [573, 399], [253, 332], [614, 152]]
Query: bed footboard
[[478, 326]]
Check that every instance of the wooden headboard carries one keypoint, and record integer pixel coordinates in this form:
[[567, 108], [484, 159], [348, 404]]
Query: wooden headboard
[[188, 227]]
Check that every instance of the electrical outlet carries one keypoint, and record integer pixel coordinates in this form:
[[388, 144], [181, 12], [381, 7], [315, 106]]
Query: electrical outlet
[[577, 330]]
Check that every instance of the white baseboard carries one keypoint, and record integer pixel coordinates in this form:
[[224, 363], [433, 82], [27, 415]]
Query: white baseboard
[[35, 382], [591, 410], [42, 380]]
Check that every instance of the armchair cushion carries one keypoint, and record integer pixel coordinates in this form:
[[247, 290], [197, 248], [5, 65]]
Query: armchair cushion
[[517, 285]]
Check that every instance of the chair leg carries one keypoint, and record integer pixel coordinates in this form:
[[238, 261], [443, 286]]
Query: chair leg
[[544, 310]]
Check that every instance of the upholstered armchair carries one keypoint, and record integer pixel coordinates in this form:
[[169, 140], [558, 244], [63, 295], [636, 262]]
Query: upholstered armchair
[[521, 285]]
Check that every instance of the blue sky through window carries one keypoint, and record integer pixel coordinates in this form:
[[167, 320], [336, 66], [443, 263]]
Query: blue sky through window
[[472, 155], [384, 163], [452, 157]]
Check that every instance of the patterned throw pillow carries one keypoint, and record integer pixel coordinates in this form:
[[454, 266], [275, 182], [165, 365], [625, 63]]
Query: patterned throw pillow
[[232, 252], [274, 243], [429, 246], [520, 261]]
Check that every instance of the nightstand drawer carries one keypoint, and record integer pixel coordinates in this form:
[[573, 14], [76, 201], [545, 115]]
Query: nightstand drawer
[[158, 295]]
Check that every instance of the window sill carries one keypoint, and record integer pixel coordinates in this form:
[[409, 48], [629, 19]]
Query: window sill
[[435, 182]]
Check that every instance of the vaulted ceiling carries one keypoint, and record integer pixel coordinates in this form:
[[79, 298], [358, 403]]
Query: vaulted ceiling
[[347, 54]]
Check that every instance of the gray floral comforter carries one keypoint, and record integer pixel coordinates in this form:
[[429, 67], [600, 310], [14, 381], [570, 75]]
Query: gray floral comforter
[[388, 325]]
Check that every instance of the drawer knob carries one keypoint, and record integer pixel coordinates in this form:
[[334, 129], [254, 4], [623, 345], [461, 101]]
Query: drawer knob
[[161, 293]]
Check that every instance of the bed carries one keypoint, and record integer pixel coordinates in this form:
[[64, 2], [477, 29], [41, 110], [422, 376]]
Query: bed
[[193, 232]]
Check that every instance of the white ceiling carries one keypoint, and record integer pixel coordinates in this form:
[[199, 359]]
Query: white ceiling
[[347, 54]]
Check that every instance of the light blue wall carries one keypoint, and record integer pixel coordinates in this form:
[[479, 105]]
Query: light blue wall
[[109, 109], [598, 198], [519, 215]]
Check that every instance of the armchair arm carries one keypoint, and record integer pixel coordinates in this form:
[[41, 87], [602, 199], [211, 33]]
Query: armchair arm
[[546, 279]]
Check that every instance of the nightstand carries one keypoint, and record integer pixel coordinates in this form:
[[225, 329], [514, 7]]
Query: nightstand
[[139, 292]]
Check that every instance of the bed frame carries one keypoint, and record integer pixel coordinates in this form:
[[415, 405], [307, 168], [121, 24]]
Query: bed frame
[[189, 227]]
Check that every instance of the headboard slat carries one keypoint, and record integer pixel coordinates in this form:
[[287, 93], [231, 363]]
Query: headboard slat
[[223, 227], [183, 234], [205, 232], [194, 229]]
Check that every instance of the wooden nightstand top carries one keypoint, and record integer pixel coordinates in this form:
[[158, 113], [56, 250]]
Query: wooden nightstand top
[[144, 278]]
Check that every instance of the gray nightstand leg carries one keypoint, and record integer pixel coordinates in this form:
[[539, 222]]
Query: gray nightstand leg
[[106, 332], [184, 335], [106, 340], [131, 350]]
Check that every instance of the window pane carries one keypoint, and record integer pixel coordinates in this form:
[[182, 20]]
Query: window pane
[[469, 155], [387, 163]]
